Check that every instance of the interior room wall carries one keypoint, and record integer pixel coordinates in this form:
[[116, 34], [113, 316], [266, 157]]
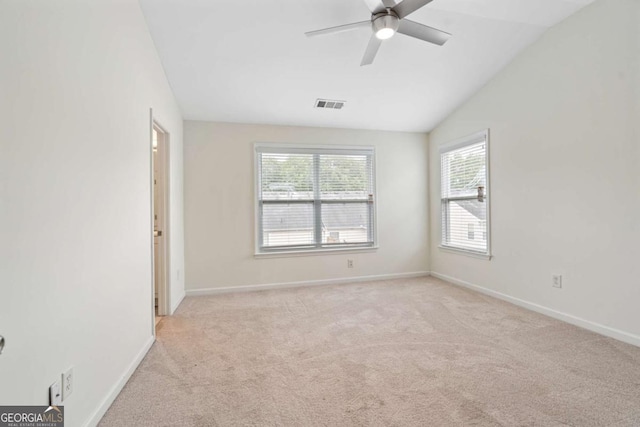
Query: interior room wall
[[77, 81], [219, 207], [565, 172]]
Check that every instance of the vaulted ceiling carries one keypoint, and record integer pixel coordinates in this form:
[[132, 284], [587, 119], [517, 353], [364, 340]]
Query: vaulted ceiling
[[249, 61]]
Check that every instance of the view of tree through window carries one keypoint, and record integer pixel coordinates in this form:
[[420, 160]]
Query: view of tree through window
[[287, 173], [344, 174], [466, 171]]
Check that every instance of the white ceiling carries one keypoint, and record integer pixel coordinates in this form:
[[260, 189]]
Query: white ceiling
[[249, 61]]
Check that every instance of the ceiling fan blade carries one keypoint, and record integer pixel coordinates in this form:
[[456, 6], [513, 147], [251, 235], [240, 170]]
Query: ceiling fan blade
[[375, 6], [372, 49], [422, 32], [406, 7], [339, 29]]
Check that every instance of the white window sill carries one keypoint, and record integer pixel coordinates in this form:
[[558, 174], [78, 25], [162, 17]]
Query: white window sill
[[312, 252], [469, 253]]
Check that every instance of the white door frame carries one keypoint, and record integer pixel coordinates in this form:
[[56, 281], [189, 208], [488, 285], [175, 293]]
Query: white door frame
[[164, 295]]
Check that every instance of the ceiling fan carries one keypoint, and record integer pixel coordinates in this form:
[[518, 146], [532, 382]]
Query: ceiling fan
[[387, 18]]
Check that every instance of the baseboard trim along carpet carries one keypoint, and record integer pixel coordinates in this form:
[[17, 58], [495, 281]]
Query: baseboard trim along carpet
[[577, 321], [95, 418], [264, 287], [176, 304]]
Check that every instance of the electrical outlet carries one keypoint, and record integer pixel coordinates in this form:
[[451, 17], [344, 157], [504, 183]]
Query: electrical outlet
[[349, 263], [55, 395], [556, 281], [67, 383]]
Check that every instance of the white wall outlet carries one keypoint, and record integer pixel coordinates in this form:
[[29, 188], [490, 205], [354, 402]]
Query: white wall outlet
[[556, 281], [67, 383], [349, 263], [55, 394]]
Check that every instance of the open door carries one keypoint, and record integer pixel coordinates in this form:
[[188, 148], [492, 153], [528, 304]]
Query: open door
[[160, 204]]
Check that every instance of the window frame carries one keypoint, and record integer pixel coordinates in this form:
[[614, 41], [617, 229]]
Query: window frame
[[316, 248], [447, 148]]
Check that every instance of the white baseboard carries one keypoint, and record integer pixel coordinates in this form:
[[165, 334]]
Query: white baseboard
[[175, 304], [263, 287], [97, 415], [578, 321]]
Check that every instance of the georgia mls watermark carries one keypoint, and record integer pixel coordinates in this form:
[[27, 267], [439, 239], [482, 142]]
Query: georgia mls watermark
[[31, 416]]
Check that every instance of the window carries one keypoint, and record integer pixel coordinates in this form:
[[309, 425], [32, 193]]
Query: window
[[464, 173], [314, 198]]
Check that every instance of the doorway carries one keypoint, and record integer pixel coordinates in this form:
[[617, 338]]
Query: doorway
[[160, 203]]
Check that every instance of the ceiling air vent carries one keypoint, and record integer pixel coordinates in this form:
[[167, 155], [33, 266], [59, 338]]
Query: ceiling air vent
[[330, 104]]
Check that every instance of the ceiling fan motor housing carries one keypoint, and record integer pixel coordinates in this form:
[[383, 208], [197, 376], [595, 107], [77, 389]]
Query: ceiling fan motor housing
[[385, 20]]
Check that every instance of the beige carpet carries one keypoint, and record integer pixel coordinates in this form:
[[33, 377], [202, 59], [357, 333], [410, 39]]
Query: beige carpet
[[416, 352]]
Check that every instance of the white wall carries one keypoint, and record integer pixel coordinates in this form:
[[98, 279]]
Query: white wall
[[77, 80], [565, 170], [219, 206]]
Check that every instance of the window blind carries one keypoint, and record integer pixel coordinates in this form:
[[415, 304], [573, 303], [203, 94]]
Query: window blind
[[464, 195], [314, 198]]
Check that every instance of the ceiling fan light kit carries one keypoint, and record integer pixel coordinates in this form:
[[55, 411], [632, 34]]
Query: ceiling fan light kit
[[385, 25], [387, 18]]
